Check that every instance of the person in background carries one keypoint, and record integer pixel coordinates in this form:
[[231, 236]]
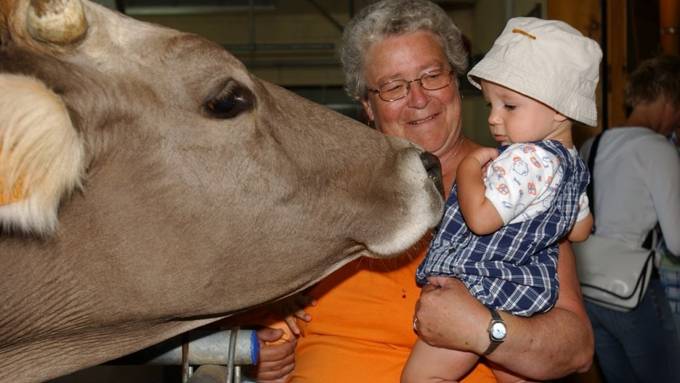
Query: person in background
[[637, 185], [508, 211], [361, 328], [669, 266]]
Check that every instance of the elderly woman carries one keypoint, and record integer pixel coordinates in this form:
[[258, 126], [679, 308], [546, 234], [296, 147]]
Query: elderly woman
[[401, 60]]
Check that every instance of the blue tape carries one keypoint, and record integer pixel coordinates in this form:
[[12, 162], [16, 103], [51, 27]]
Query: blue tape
[[255, 347]]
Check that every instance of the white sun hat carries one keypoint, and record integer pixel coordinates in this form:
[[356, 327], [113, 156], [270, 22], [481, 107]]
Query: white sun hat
[[547, 60]]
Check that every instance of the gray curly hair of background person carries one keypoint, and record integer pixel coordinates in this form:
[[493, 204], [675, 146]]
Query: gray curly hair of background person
[[653, 78], [395, 17]]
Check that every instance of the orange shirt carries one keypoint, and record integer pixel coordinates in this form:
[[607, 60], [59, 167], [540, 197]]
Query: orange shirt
[[361, 327]]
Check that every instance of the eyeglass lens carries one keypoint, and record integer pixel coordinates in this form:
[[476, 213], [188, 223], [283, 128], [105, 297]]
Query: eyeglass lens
[[397, 89]]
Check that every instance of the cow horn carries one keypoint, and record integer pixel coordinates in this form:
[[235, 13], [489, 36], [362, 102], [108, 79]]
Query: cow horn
[[56, 21]]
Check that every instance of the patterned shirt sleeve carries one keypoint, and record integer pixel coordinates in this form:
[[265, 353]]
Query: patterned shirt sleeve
[[520, 183]]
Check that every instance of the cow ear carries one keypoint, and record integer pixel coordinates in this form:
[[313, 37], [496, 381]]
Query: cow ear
[[41, 155]]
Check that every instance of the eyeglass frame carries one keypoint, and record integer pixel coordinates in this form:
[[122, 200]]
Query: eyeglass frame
[[419, 80]]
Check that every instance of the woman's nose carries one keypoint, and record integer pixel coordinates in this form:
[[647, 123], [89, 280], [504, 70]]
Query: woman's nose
[[417, 97]]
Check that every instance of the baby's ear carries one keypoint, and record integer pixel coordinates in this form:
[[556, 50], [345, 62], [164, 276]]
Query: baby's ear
[[41, 155], [560, 117]]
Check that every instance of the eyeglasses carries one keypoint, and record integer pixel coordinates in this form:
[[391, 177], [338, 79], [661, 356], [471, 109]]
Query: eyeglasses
[[398, 89]]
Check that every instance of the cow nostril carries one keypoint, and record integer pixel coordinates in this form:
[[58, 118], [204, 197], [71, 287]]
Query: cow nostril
[[434, 170]]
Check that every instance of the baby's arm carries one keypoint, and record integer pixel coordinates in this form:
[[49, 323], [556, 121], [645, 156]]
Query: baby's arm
[[479, 213], [581, 230], [584, 221]]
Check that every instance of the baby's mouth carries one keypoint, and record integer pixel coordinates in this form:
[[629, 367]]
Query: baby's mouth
[[424, 120]]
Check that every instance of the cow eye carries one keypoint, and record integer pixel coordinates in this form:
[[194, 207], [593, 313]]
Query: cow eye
[[231, 101]]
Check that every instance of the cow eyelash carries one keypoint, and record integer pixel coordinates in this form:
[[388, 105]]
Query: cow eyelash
[[232, 100]]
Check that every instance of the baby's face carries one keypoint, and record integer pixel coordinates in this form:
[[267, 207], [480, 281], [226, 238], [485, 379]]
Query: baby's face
[[514, 117]]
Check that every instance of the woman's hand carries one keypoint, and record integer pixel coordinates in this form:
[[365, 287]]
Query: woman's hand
[[448, 316], [277, 358], [279, 339]]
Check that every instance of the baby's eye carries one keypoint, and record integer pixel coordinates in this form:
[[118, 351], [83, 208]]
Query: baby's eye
[[509, 107]]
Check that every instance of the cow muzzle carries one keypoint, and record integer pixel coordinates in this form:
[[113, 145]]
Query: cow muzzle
[[434, 170]]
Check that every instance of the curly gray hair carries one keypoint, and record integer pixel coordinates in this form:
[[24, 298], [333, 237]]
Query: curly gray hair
[[395, 17], [653, 78]]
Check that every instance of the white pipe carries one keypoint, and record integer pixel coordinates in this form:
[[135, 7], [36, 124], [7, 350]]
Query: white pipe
[[205, 347]]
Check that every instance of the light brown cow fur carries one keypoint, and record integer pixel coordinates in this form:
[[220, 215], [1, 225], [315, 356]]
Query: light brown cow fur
[[205, 191]]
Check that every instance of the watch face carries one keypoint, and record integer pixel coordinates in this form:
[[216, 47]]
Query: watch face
[[498, 331]]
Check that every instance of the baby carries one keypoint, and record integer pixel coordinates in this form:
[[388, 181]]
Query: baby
[[511, 206]]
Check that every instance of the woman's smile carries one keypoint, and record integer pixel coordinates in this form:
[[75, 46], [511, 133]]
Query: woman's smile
[[424, 120]]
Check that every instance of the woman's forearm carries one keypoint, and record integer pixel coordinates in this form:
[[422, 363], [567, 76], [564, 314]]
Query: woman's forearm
[[551, 345], [556, 343], [544, 346]]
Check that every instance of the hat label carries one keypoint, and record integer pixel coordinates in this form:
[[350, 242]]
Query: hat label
[[523, 32]]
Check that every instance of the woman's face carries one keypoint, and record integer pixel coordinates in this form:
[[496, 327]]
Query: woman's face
[[428, 118], [670, 120]]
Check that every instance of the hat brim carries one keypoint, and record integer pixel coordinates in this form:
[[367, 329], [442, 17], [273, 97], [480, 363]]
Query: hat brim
[[570, 103]]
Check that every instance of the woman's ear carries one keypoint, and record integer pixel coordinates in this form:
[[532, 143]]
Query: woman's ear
[[368, 109]]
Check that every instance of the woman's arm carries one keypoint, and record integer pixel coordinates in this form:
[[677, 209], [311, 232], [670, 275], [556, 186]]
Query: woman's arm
[[662, 176], [545, 346]]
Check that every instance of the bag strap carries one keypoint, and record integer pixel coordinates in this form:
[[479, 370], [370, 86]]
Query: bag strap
[[590, 190], [647, 244]]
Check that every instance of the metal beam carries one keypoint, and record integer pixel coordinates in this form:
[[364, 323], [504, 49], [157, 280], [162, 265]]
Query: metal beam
[[327, 15], [204, 347]]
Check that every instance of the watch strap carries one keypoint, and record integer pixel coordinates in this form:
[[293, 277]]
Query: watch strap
[[493, 343]]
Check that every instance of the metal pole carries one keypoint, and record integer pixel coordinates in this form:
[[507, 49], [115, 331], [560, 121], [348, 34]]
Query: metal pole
[[604, 79], [231, 354], [203, 347], [120, 6], [327, 15], [509, 7]]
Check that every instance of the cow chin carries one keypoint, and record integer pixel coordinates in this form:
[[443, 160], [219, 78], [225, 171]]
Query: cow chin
[[423, 209], [406, 236]]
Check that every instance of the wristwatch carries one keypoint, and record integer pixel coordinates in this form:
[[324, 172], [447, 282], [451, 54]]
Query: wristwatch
[[497, 331]]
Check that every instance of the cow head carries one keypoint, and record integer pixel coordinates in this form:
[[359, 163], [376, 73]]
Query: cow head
[[148, 181]]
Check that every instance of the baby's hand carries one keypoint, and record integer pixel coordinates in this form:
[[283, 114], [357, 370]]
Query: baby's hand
[[484, 155]]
